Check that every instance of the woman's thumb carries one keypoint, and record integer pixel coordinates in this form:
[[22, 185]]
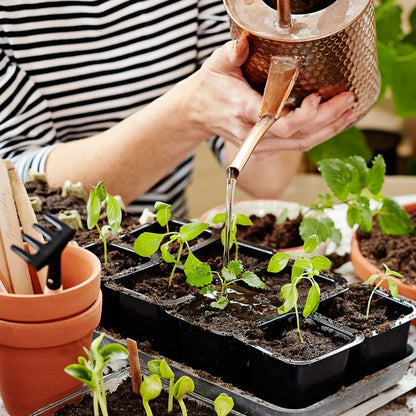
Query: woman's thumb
[[233, 53]]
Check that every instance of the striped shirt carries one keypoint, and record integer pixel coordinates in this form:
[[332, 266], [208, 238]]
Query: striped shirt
[[70, 69]]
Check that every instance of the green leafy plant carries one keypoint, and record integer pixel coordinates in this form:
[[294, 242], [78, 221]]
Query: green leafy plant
[[162, 369], [90, 371], [148, 243], [183, 386], [163, 214], [354, 184], [98, 194], [150, 389], [394, 291], [302, 269], [238, 219], [233, 273], [223, 404]]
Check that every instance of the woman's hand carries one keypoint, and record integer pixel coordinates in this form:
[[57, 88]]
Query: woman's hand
[[224, 104]]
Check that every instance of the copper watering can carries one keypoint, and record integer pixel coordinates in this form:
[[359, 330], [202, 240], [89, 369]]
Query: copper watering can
[[332, 43]]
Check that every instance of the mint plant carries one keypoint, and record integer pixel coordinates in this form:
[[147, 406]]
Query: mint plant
[[98, 194], [183, 386], [90, 371], [148, 243], [150, 389], [233, 273], [238, 219], [394, 291], [354, 184], [302, 269], [162, 369], [223, 404]]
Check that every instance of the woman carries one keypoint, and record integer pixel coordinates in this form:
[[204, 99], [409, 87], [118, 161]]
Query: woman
[[114, 90]]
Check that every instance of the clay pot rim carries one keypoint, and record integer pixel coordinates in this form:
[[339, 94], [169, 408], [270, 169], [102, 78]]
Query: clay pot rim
[[364, 269]]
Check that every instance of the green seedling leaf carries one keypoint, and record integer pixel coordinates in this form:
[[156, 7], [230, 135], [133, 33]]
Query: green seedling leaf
[[320, 262], [183, 386], [192, 230], [360, 172], [101, 192], [228, 275], [303, 264], [376, 174], [253, 280], [147, 243], [221, 303], [278, 262], [312, 301], [154, 366], [235, 267], [394, 290], [208, 290], [166, 255], [285, 290], [310, 244], [80, 372], [360, 215], [371, 280], [163, 213], [393, 218], [337, 175], [199, 275], [113, 214], [242, 219], [290, 301], [223, 404], [218, 218], [93, 210], [114, 352], [150, 389], [323, 227]]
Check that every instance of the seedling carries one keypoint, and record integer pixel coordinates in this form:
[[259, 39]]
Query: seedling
[[163, 214], [354, 184], [148, 243], [233, 273], [394, 291], [150, 389], [98, 194], [238, 219], [223, 404], [183, 386], [90, 371], [303, 268], [162, 369]]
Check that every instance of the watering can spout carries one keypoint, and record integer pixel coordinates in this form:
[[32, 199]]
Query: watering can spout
[[284, 20]]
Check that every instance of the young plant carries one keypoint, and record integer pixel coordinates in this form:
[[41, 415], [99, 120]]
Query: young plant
[[238, 219], [223, 404], [162, 369], [302, 268], [163, 214], [148, 243], [150, 389], [394, 291], [183, 386], [98, 194], [90, 371], [354, 184], [233, 273]]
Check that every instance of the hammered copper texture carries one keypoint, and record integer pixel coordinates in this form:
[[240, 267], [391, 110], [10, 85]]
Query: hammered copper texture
[[344, 61]]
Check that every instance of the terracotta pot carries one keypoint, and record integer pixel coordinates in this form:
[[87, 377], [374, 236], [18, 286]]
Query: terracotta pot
[[81, 273], [41, 334], [364, 269]]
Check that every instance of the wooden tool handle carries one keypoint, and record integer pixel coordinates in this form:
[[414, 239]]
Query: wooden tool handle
[[26, 214], [11, 235]]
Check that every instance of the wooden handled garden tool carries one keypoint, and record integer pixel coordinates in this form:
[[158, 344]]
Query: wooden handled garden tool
[[13, 270], [48, 253]]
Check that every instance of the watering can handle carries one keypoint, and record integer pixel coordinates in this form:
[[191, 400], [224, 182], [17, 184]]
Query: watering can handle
[[283, 72]]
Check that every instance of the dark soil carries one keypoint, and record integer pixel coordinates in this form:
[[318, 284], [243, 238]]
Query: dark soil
[[266, 232], [124, 402], [153, 282], [350, 310], [397, 252]]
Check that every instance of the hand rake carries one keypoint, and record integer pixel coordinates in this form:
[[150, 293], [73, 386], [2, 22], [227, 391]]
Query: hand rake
[[48, 253]]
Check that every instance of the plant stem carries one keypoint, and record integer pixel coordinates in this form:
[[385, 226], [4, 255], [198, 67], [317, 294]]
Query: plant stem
[[178, 258], [298, 322], [371, 297], [95, 404], [170, 400], [105, 244], [183, 408], [102, 404], [147, 408]]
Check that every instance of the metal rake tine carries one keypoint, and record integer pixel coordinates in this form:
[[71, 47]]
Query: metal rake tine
[[46, 232], [32, 241]]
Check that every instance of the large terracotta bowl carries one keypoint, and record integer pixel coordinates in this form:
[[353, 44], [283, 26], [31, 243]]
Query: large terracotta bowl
[[364, 269]]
